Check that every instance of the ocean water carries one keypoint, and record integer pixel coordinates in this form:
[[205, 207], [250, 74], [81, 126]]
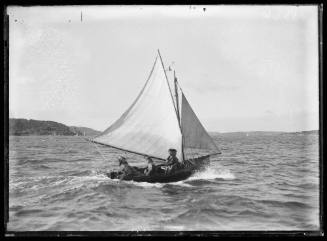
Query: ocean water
[[268, 182]]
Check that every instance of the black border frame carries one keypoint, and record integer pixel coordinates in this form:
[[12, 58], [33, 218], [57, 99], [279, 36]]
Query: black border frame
[[271, 234]]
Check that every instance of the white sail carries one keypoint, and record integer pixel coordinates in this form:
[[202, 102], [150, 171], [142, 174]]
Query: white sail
[[150, 126], [194, 134]]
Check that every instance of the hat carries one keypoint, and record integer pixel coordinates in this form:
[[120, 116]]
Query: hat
[[171, 149], [148, 158], [122, 160]]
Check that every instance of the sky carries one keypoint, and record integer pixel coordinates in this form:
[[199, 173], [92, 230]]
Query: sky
[[242, 68]]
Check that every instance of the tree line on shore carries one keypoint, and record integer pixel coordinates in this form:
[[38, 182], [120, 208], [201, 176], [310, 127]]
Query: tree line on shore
[[21, 127]]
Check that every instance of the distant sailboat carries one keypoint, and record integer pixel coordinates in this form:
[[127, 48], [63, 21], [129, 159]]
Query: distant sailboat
[[160, 118]]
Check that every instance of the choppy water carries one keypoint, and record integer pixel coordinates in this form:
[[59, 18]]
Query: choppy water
[[258, 183]]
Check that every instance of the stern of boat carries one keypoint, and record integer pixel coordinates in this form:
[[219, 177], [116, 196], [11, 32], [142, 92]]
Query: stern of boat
[[198, 163]]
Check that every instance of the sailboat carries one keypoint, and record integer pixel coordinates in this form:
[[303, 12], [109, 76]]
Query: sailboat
[[161, 118]]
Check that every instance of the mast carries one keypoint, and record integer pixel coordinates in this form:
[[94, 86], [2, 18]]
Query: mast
[[177, 102], [178, 113], [172, 98]]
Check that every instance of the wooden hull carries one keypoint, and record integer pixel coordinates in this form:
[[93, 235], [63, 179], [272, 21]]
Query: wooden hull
[[183, 173]]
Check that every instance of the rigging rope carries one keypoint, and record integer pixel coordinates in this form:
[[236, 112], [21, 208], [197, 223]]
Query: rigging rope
[[88, 141], [99, 151]]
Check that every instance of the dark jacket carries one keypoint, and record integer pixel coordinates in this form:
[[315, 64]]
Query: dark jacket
[[128, 170], [172, 160]]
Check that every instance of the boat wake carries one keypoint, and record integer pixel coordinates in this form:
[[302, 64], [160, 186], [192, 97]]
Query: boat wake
[[160, 185], [210, 174]]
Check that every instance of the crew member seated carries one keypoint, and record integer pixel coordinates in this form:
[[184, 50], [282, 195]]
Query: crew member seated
[[151, 168], [127, 170], [172, 162]]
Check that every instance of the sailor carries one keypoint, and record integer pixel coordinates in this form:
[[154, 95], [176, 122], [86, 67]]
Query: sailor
[[151, 168], [172, 162], [127, 170]]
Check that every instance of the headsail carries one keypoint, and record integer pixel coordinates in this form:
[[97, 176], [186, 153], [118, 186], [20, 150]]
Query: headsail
[[150, 125], [194, 134]]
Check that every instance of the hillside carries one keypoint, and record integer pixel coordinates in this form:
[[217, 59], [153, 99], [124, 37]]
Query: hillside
[[24, 127], [81, 131]]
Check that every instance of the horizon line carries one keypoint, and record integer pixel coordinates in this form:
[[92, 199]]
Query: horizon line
[[209, 131]]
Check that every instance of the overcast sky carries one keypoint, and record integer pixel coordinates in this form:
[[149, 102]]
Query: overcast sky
[[242, 68]]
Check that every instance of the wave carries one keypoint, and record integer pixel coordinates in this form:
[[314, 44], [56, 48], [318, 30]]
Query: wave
[[309, 186], [82, 179], [146, 184], [181, 183], [41, 166], [72, 181], [150, 185], [27, 161], [210, 173], [288, 204], [27, 212]]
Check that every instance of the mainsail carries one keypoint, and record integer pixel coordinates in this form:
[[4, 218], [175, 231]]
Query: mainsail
[[149, 126], [160, 118]]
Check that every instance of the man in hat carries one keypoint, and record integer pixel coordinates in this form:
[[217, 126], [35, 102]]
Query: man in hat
[[127, 170], [172, 161]]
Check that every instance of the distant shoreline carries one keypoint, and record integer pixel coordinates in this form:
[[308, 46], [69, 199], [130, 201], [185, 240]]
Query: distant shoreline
[[264, 132], [25, 127]]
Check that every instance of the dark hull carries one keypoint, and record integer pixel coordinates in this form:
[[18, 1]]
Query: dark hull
[[183, 173]]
